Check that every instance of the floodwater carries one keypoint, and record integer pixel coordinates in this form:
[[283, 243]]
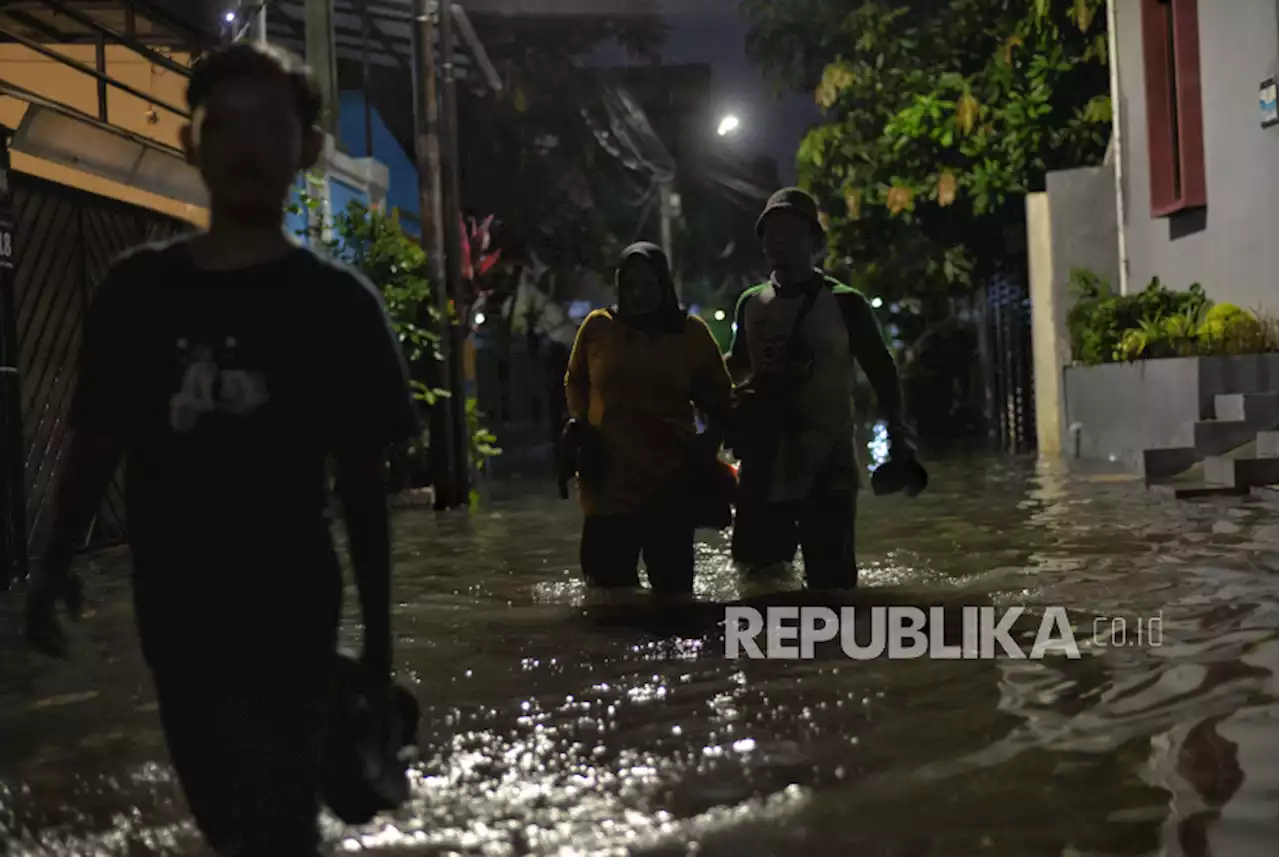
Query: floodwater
[[557, 727]]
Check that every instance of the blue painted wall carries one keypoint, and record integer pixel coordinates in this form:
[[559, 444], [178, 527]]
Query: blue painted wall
[[403, 192]]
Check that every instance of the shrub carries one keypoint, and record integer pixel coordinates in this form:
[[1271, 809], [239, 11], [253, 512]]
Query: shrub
[[374, 243], [1222, 330], [1156, 322]]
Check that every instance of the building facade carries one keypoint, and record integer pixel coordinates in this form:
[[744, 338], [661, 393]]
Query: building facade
[[1199, 152]]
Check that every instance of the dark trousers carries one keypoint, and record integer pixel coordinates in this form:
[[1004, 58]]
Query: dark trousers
[[613, 545], [821, 526], [249, 760]]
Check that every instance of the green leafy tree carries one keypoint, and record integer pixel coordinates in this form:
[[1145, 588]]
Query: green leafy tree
[[939, 116], [529, 155], [374, 243]]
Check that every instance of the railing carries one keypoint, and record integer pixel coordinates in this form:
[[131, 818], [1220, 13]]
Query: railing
[[1011, 380], [24, 24]]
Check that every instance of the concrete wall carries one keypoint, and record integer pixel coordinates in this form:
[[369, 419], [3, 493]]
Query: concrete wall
[[1072, 224], [57, 82], [1117, 410], [1230, 248]]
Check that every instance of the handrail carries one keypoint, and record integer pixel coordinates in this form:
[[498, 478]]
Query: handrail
[[14, 91], [121, 39], [33, 45]]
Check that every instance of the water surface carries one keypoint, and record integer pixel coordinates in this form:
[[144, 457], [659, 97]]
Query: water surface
[[556, 726]]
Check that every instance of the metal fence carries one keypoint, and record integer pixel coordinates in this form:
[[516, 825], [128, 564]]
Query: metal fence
[[1011, 408], [65, 239]]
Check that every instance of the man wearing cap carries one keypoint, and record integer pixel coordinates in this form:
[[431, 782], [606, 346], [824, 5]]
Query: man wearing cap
[[806, 331]]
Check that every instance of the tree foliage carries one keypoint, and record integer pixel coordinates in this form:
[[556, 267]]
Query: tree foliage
[[939, 115], [373, 243], [529, 154]]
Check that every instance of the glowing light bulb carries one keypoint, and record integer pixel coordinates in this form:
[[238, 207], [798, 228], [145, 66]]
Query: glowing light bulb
[[728, 125], [719, 315]]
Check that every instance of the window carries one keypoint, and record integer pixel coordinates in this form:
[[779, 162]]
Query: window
[[1175, 130]]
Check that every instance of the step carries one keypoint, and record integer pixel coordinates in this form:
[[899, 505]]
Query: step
[[1257, 409], [1241, 472], [1196, 490], [1268, 444], [1266, 492], [1165, 462], [1214, 437]]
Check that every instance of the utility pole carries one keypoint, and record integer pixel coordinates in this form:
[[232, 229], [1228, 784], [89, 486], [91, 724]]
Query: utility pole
[[322, 58], [669, 209], [426, 114], [256, 15], [13, 519], [260, 24], [451, 204]]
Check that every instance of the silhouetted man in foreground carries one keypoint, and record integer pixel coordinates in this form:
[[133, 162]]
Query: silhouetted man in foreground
[[226, 368]]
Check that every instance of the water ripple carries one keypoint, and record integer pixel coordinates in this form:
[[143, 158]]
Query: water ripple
[[559, 722]]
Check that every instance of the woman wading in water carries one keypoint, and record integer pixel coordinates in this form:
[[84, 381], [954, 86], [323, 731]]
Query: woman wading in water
[[636, 374]]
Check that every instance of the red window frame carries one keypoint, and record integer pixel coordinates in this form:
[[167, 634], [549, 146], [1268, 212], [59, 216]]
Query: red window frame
[[1175, 113]]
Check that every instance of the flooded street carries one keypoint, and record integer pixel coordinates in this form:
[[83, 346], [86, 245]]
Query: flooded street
[[552, 727]]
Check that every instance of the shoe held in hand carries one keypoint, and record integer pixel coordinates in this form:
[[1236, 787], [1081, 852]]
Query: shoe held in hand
[[906, 475], [372, 738]]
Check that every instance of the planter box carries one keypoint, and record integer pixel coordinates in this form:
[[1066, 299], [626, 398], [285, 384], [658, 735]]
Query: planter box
[[1117, 410]]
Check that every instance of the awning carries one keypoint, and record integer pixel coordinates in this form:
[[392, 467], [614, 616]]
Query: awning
[[63, 135], [381, 33]]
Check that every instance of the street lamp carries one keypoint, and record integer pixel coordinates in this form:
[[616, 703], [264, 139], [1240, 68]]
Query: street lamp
[[728, 125]]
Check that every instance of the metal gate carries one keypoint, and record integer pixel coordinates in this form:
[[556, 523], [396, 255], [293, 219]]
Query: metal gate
[[66, 239], [1011, 406]]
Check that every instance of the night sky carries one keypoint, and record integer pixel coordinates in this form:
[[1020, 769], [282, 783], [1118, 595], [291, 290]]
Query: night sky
[[712, 31]]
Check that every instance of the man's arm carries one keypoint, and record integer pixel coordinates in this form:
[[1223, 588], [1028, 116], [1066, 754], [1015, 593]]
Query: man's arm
[[738, 360], [100, 414], [867, 343], [376, 411], [362, 490], [90, 464]]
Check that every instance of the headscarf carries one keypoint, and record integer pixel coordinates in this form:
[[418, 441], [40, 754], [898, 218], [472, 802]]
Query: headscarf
[[668, 316]]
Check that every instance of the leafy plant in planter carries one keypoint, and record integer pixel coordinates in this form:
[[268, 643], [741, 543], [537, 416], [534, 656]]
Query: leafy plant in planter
[[374, 243], [1100, 321], [1222, 330], [1171, 336]]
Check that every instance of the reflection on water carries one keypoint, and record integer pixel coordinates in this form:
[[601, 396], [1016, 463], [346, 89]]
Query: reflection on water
[[557, 725]]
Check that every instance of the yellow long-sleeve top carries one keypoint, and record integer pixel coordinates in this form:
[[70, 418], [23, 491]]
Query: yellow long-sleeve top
[[639, 390]]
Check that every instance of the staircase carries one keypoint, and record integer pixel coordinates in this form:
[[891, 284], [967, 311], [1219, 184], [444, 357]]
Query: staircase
[[1235, 453]]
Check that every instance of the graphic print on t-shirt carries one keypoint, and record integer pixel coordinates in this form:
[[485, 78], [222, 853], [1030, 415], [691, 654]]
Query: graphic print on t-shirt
[[212, 383]]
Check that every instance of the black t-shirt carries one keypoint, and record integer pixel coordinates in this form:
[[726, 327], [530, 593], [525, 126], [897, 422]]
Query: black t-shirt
[[229, 390]]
